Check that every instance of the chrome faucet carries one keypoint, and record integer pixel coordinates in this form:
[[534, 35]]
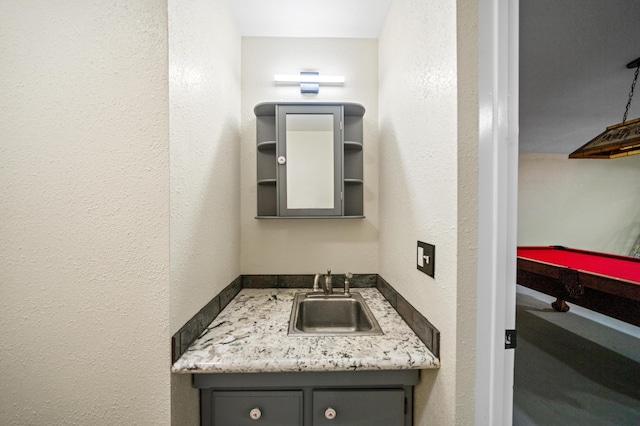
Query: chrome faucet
[[327, 283], [324, 284]]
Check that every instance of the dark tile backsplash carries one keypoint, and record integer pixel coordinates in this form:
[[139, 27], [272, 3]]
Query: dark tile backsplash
[[387, 291], [259, 281], [196, 325], [229, 293], [429, 335], [404, 308], [295, 281], [305, 281]]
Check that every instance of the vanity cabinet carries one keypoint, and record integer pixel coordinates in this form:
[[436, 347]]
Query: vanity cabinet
[[382, 407], [309, 160], [266, 408], [371, 398]]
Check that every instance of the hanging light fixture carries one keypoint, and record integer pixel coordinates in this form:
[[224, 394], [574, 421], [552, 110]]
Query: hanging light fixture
[[619, 140]]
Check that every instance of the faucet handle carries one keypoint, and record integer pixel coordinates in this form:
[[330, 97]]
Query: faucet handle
[[328, 283], [347, 290]]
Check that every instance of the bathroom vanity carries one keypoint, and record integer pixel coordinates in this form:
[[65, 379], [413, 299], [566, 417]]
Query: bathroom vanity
[[371, 398], [251, 371]]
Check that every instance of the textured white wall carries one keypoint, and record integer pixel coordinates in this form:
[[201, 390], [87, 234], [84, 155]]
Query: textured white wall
[[289, 246], [421, 144], [586, 204], [204, 94], [84, 217]]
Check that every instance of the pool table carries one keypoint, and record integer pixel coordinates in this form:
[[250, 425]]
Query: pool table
[[605, 283]]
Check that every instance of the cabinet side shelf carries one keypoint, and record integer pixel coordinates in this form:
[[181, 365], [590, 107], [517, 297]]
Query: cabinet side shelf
[[352, 146], [265, 109], [353, 181], [351, 109], [267, 146], [266, 181]]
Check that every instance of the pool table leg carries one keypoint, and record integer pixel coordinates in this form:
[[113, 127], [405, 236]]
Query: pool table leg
[[560, 305]]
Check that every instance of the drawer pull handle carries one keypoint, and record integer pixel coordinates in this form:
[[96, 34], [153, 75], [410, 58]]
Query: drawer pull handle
[[330, 413], [255, 414]]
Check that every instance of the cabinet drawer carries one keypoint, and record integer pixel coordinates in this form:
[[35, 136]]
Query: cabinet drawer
[[384, 407], [274, 408]]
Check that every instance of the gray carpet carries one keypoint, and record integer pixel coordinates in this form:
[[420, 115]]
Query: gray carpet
[[570, 370]]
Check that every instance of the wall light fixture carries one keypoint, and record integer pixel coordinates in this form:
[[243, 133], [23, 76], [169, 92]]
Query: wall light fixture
[[309, 80]]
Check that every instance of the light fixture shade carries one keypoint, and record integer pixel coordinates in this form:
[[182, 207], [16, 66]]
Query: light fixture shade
[[310, 86], [308, 78], [619, 140], [309, 81]]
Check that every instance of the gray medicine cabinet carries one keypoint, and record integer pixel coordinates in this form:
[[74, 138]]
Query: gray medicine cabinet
[[309, 160]]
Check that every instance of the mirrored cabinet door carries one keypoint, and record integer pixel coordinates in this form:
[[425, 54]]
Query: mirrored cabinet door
[[309, 160]]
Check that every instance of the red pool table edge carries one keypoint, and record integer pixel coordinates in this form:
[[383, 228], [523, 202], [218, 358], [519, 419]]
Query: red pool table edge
[[612, 285], [613, 266], [615, 297]]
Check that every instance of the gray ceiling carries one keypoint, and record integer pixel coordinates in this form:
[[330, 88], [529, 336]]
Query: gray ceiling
[[573, 76]]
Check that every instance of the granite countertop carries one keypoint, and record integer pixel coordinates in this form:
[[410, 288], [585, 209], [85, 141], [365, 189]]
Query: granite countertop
[[250, 336]]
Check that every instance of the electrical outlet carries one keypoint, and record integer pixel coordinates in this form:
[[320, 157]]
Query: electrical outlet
[[426, 260]]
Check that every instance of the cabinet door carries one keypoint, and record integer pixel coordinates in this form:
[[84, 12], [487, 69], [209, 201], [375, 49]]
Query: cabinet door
[[264, 408], [309, 150], [384, 407]]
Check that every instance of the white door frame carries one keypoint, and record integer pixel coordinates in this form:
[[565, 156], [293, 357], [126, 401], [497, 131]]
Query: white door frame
[[497, 208]]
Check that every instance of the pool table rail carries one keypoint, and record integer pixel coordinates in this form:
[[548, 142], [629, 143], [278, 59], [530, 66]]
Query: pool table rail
[[612, 296]]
